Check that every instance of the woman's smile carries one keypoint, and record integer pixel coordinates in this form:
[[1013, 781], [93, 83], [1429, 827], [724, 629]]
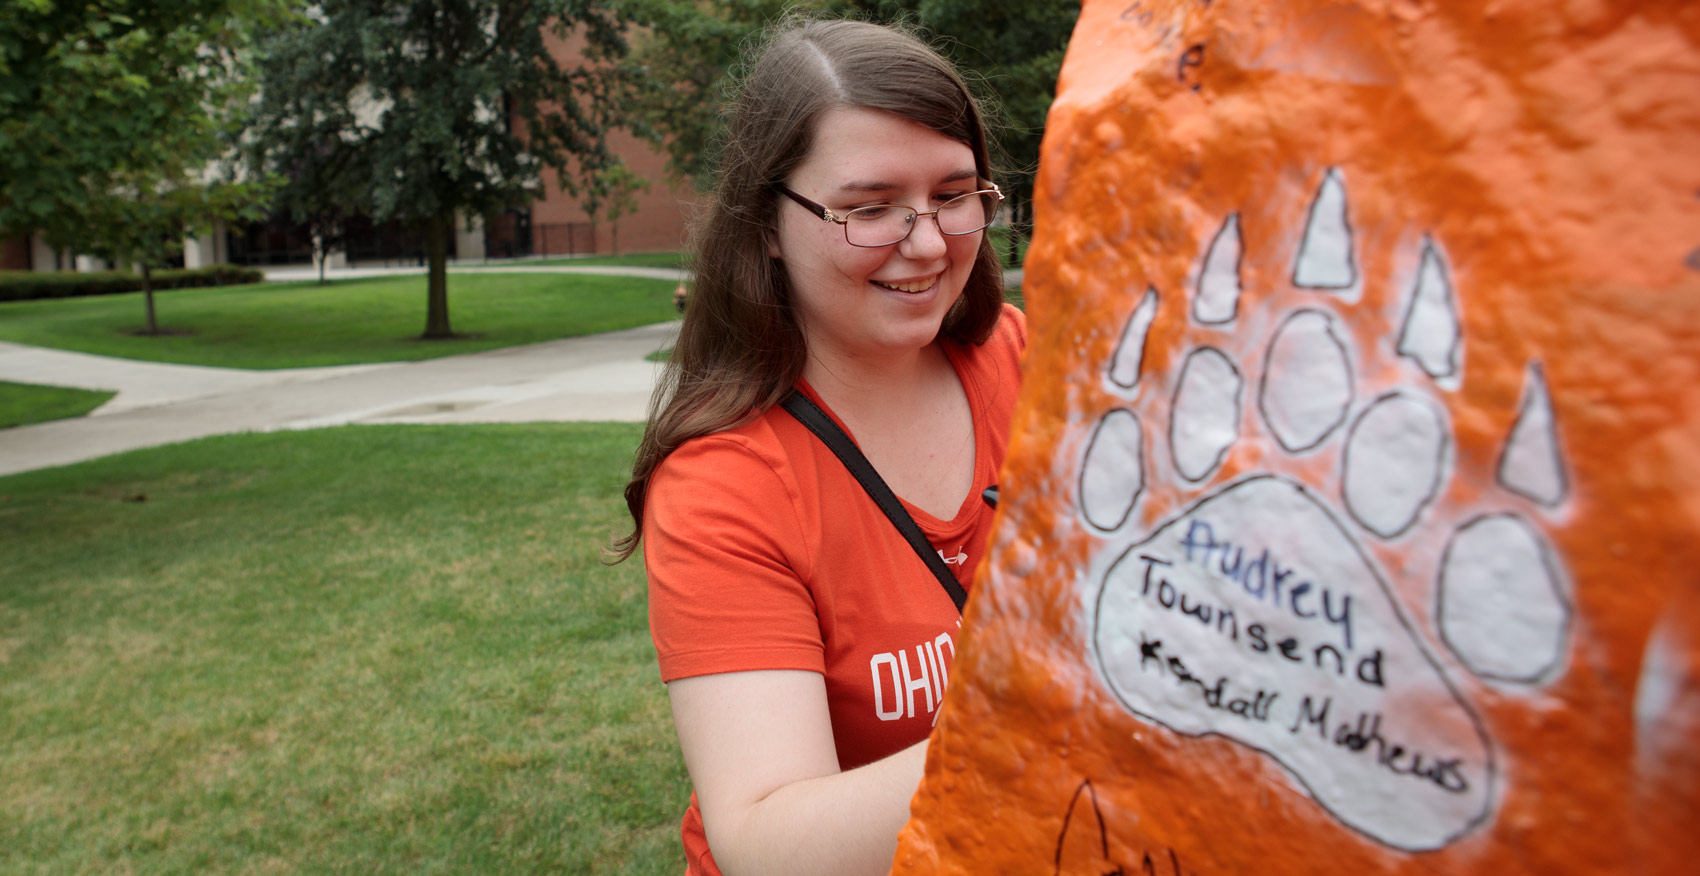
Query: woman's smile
[[909, 286]]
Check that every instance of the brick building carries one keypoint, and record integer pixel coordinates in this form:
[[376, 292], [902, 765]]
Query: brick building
[[551, 226]]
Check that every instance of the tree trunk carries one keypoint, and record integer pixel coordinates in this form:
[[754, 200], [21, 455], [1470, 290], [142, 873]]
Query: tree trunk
[[147, 295], [437, 287], [324, 255]]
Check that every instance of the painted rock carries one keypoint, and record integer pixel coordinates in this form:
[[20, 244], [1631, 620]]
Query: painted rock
[[1351, 521]]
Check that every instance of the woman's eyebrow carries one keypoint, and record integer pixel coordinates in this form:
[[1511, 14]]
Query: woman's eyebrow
[[876, 185], [867, 186]]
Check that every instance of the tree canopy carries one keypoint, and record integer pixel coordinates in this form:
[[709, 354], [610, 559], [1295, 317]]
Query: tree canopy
[[677, 75], [113, 117], [417, 111]]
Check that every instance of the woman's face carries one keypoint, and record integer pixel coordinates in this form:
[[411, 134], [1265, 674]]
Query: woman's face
[[863, 302]]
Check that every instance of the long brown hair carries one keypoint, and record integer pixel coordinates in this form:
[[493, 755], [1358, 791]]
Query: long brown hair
[[741, 348]]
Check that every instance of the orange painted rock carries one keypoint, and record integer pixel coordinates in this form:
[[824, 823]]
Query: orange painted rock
[[1352, 514]]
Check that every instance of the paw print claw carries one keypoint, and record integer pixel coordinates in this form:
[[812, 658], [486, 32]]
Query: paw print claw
[[1431, 336], [1128, 362], [1217, 301], [1326, 259], [1531, 465]]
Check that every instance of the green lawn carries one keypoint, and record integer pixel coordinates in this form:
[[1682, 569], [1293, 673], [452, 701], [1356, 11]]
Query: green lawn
[[634, 260], [25, 403], [362, 650], [286, 325]]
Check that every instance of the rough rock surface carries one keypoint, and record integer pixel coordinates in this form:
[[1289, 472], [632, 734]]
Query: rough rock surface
[[1352, 515]]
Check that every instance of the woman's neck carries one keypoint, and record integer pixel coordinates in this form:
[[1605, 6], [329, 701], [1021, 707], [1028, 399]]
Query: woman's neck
[[864, 382]]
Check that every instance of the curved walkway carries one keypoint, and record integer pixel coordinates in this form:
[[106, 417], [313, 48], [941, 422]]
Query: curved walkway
[[1012, 276], [599, 377], [291, 274]]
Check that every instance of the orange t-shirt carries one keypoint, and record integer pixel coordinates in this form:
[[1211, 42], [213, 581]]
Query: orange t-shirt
[[763, 552]]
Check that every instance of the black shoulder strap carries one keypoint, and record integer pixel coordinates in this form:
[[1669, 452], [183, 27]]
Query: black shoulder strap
[[810, 415]]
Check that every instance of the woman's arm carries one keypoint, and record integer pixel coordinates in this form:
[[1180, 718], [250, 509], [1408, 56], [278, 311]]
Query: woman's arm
[[760, 752]]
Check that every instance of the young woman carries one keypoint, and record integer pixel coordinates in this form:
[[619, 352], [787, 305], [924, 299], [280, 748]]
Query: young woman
[[805, 644]]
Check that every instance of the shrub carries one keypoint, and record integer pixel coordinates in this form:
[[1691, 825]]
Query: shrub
[[29, 285]]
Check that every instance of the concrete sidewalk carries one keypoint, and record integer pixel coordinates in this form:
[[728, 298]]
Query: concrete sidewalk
[[600, 377], [1011, 276], [144, 384], [296, 272]]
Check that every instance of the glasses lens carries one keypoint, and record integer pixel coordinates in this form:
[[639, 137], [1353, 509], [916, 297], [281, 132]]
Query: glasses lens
[[878, 226], [887, 224], [967, 214]]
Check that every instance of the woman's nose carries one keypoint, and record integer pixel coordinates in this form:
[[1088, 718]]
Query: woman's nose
[[925, 240]]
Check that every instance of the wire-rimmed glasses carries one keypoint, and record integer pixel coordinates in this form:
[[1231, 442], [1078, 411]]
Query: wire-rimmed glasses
[[886, 224]]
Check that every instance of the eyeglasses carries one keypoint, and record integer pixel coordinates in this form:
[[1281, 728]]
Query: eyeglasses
[[886, 224]]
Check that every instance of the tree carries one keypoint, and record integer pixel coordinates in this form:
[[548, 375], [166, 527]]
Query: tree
[[611, 191], [313, 189], [140, 222], [418, 111], [112, 117], [676, 77]]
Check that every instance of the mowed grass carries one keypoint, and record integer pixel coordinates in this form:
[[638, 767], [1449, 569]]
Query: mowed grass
[[25, 403], [288, 325], [634, 260], [363, 650]]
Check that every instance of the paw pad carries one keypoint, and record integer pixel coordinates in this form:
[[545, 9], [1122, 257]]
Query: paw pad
[[1307, 381], [1502, 608], [1206, 418], [1395, 455]]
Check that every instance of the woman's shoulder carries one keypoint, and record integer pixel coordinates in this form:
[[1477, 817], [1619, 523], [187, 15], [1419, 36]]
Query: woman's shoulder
[[999, 355], [747, 444], [1011, 328], [750, 453], [1008, 336]]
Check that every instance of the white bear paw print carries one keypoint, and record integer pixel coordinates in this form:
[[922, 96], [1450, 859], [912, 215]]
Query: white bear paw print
[[1264, 611]]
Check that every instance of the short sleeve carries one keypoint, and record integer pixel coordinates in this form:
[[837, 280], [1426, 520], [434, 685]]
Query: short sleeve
[[1012, 325], [727, 562]]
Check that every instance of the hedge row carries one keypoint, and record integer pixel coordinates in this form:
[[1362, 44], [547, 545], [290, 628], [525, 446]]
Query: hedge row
[[28, 285]]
